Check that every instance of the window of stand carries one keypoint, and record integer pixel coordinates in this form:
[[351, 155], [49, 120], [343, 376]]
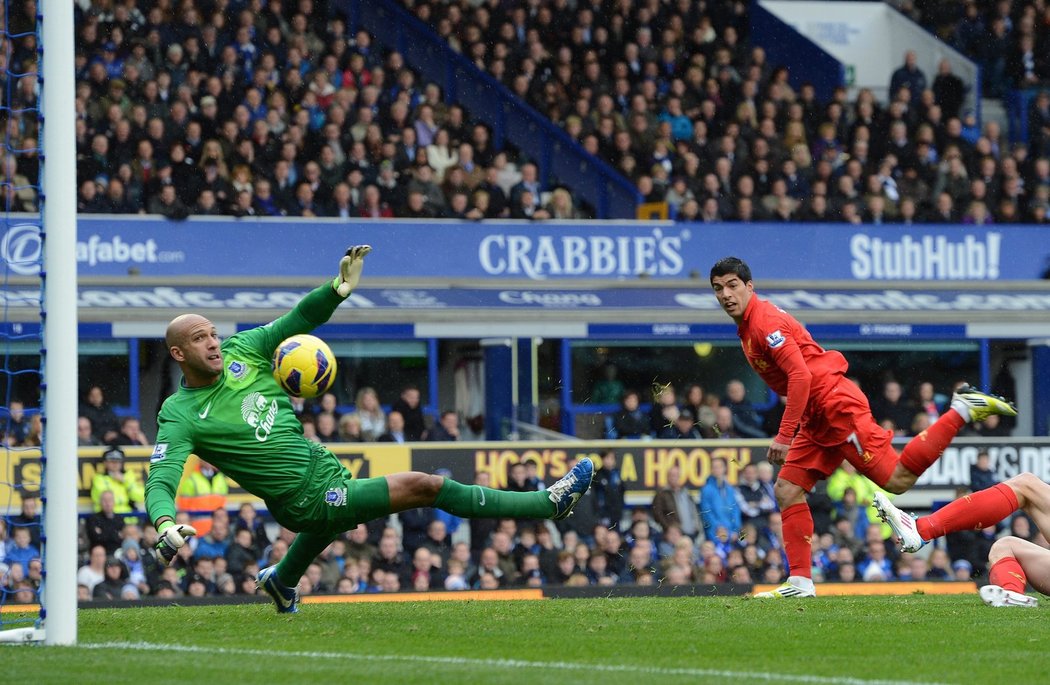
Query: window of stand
[[385, 365]]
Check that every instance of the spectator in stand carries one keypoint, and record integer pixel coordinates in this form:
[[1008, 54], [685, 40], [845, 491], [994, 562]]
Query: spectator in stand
[[684, 428], [19, 550], [608, 389], [408, 405], [350, 428], [447, 428], [327, 427], [17, 423], [908, 76], [674, 505], [718, 502], [29, 518], [893, 405], [664, 410], [395, 432], [241, 552], [114, 578], [85, 433], [704, 414], [373, 419], [217, 541], [754, 501], [631, 423], [130, 433], [103, 419], [125, 486], [746, 421], [104, 527], [201, 494], [982, 476], [93, 572], [609, 492]]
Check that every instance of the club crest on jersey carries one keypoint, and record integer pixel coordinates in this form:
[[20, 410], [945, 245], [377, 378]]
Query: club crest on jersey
[[775, 339], [237, 369], [160, 451], [258, 415], [335, 497]]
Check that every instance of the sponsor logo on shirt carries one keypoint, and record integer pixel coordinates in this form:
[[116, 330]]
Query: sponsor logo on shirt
[[775, 339], [159, 452], [238, 369], [258, 415], [335, 497]]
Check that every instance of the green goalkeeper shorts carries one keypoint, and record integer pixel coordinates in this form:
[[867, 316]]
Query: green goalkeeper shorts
[[332, 501]]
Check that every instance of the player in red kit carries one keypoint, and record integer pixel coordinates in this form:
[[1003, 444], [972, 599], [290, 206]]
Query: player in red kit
[[1013, 562], [827, 418]]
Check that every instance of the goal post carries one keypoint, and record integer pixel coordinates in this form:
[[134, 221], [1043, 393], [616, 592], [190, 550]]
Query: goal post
[[59, 355]]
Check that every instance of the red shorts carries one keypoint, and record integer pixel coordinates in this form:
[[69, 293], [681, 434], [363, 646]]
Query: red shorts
[[844, 429]]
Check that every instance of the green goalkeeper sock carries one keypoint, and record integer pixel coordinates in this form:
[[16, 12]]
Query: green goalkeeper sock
[[475, 501], [301, 553]]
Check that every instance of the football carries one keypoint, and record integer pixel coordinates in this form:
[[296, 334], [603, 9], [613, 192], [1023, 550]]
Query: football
[[304, 366]]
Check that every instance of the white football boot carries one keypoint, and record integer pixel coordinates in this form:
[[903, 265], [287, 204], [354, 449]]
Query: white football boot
[[795, 586], [903, 525], [995, 596]]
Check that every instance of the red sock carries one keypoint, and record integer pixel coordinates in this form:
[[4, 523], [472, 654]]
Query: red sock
[[927, 447], [798, 536], [972, 512], [1008, 574]]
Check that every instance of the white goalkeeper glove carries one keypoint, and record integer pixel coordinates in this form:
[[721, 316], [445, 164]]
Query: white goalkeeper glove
[[172, 537], [350, 267]]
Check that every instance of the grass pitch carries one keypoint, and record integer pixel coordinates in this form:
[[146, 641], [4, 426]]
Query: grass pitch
[[848, 640]]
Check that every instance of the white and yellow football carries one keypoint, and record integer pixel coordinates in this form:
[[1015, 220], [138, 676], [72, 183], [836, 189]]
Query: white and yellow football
[[304, 366]]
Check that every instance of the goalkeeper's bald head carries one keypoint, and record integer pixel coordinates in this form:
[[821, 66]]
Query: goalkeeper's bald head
[[179, 328]]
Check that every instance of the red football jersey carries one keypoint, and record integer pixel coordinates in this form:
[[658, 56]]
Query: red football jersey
[[784, 354]]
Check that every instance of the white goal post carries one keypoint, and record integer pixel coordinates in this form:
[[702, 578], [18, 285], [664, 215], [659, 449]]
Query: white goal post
[[60, 325]]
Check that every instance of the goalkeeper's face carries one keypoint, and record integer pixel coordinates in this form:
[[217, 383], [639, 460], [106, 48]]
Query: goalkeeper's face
[[196, 348]]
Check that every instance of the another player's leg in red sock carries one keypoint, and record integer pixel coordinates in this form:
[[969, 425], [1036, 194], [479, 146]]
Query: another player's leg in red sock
[[926, 448], [972, 512], [798, 535], [1008, 574]]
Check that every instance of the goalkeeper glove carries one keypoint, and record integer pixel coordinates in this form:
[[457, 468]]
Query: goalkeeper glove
[[350, 267], [172, 537]]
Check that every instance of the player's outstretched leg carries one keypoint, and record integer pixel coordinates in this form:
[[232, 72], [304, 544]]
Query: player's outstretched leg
[[969, 405], [286, 598], [475, 501], [970, 512]]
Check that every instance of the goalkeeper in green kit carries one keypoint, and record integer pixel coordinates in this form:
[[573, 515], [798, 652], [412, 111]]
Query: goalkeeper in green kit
[[231, 412]]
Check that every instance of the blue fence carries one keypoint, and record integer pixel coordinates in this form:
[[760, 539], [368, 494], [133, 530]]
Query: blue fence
[[554, 151]]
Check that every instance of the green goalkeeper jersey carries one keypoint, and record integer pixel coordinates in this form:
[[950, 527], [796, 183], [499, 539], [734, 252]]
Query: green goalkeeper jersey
[[243, 423]]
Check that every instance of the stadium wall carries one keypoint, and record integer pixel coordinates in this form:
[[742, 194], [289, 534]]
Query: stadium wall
[[869, 40]]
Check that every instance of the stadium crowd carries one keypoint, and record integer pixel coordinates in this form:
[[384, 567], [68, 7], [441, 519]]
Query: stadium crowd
[[273, 109], [715, 532]]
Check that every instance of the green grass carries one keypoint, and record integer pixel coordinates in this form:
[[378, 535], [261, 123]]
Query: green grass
[[912, 639]]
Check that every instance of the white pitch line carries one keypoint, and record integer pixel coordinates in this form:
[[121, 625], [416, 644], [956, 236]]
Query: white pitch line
[[512, 664]]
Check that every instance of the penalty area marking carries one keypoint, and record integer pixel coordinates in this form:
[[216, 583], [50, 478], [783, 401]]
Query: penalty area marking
[[509, 664]]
